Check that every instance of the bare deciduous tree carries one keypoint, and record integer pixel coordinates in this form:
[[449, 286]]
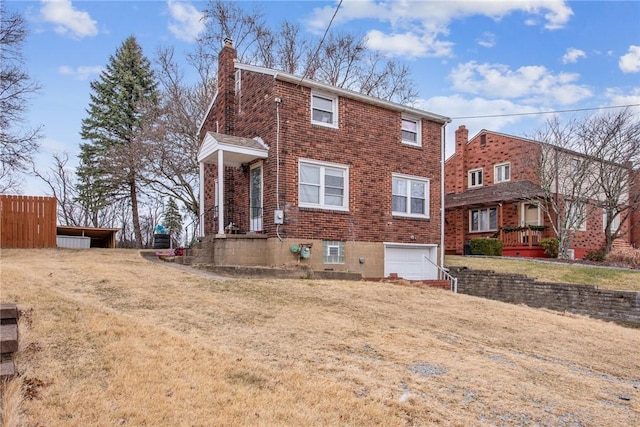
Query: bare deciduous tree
[[173, 158], [17, 143], [61, 182], [584, 167], [340, 59], [614, 138]]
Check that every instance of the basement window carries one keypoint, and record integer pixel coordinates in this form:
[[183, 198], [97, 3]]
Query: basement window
[[333, 252]]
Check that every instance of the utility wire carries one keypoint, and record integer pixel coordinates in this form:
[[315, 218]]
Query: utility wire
[[315, 55], [545, 112]]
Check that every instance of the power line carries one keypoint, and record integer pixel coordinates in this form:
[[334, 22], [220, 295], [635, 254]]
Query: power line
[[315, 55], [545, 112]]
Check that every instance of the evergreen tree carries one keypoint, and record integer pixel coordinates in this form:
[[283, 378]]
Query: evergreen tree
[[124, 105], [173, 219]]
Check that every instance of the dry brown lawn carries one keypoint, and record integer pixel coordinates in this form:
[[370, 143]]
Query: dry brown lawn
[[109, 338]]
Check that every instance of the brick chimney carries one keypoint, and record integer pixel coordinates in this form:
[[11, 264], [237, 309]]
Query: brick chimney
[[226, 101], [462, 137]]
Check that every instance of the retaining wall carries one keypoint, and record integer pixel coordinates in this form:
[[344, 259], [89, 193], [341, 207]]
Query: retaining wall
[[623, 306]]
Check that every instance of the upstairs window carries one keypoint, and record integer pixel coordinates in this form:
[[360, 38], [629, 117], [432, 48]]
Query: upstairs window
[[501, 173], [475, 178], [324, 110], [410, 196], [575, 166], [411, 131], [323, 185]]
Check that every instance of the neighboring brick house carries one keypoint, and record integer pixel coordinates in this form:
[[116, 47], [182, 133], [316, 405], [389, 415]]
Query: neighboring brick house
[[319, 176], [490, 187]]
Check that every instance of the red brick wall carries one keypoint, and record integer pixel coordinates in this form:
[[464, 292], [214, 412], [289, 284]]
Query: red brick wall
[[484, 151], [368, 141], [634, 220]]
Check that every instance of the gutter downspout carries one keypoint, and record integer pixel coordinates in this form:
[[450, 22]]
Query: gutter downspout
[[442, 159]]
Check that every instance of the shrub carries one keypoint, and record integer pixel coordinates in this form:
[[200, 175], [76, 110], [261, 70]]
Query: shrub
[[485, 246], [626, 257], [597, 255], [550, 246]]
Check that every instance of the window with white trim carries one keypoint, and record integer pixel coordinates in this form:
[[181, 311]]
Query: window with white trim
[[475, 178], [323, 185], [410, 196], [324, 110], [411, 130], [333, 252], [483, 219], [615, 224], [238, 81], [501, 172], [577, 216]]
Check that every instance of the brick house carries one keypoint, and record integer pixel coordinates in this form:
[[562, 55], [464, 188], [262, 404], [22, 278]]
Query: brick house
[[490, 191], [319, 176]]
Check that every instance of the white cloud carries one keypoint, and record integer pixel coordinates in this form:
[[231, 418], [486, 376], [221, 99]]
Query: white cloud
[[487, 40], [428, 21], [406, 44], [630, 63], [531, 83], [187, 22], [572, 55], [618, 97], [67, 19], [459, 106], [80, 73]]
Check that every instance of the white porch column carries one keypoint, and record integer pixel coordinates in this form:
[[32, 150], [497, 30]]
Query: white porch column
[[201, 198], [220, 192]]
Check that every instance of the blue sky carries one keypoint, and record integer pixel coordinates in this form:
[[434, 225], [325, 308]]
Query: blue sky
[[469, 59]]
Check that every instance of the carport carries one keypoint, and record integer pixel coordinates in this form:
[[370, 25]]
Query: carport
[[99, 237]]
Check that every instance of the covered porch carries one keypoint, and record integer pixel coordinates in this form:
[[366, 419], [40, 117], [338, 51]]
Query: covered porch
[[505, 211], [239, 208]]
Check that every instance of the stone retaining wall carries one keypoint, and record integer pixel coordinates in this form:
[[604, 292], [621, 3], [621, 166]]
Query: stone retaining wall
[[587, 300]]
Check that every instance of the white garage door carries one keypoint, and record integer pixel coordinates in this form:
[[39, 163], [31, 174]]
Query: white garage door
[[408, 261]]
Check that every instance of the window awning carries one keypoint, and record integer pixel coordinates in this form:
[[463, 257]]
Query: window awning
[[237, 150]]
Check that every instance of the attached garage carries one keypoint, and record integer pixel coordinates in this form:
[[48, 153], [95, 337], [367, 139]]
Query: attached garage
[[411, 261]]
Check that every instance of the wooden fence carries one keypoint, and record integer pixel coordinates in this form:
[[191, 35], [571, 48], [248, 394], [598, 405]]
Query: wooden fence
[[27, 222]]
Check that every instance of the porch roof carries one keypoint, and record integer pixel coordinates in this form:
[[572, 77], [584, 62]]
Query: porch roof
[[503, 192], [237, 150]]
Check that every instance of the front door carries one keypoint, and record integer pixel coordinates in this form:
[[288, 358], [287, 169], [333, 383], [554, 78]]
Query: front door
[[255, 195], [530, 214]]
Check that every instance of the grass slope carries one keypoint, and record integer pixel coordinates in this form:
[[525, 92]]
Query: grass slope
[[553, 271], [109, 338]]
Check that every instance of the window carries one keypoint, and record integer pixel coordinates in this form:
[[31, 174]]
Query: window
[[483, 219], [323, 185], [615, 224], [238, 81], [411, 131], [475, 178], [501, 173], [576, 216], [575, 166], [410, 196], [333, 252], [324, 110]]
